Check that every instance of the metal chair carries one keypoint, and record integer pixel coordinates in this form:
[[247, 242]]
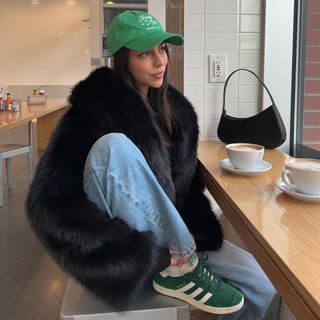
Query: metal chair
[[8, 151]]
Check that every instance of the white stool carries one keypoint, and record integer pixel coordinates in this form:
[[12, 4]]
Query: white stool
[[79, 304], [8, 151]]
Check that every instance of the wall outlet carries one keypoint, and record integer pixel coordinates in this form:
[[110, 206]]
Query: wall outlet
[[217, 67]]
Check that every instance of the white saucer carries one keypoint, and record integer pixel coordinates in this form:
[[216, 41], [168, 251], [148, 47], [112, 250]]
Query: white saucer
[[263, 166], [301, 196]]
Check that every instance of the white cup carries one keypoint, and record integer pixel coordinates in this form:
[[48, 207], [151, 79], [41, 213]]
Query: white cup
[[302, 175], [245, 156]]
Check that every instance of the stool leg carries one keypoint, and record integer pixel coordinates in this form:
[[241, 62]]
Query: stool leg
[[1, 182], [31, 146], [8, 171], [30, 164]]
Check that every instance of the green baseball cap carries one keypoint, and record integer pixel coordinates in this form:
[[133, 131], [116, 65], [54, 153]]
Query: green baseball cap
[[138, 30]]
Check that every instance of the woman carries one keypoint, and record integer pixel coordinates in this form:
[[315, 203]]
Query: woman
[[116, 197]]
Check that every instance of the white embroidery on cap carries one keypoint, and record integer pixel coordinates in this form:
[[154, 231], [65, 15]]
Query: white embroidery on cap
[[149, 22]]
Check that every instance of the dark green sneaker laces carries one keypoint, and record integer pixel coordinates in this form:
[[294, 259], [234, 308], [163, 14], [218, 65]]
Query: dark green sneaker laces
[[201, 287]]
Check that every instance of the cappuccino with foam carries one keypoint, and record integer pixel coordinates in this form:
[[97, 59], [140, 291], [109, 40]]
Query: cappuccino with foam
[[302, 175], [245, 156], [245, 148]]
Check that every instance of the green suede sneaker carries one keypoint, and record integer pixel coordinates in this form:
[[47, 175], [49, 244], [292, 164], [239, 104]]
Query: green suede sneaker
[[199, 287]]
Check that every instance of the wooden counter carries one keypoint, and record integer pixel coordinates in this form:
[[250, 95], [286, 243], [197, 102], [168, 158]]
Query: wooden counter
[[47, 116], [281, 232]]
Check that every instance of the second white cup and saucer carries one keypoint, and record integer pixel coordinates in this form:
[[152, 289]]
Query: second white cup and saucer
[[245, 159], [301, 179]]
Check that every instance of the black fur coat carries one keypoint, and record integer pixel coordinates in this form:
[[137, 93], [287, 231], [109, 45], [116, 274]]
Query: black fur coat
[[104, 254]]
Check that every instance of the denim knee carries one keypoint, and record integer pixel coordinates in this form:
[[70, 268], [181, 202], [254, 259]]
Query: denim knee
[[117, 145], [116, 141]]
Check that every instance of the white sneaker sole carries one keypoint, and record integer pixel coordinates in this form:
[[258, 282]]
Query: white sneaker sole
[[197, 304]]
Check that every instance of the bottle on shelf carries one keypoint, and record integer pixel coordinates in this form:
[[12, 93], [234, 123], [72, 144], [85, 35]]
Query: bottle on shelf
[[1, 104], [8, 102]]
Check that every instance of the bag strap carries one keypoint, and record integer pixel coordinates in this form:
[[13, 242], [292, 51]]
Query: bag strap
[[226, 83]]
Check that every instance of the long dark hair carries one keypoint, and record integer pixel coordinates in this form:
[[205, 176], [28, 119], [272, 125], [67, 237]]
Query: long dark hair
[[158, 97]]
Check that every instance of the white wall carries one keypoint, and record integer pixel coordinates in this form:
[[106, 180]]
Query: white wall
[[218, 26], [158, 9], [45, 43], [278, 57], [42, 44]]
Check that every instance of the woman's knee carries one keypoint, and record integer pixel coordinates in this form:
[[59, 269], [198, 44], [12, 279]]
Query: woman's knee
[[113, 145], [113, 140]]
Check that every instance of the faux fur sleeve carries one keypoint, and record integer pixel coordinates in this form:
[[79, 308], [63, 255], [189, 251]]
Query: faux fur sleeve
[[105, 255]]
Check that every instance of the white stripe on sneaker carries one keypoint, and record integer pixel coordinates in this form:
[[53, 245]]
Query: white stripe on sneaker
[[198, 304], [205, 298], [186, 287], [196, 292]]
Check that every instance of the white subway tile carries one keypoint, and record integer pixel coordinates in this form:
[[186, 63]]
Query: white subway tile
[[194, 93], [249, 94], [213, 110], [193, 77], [194, 23], [194, 6], [215, 93], [250, 6], [193, 41], [232, 57], [200, 124], [232, 109], [198, 108], [248, 79], [250, 41], [233, 80], [210, 129], [193, 59], [248, 109], [221, 23], [221, 41], [250, 59], [222, 6], [249, 23]]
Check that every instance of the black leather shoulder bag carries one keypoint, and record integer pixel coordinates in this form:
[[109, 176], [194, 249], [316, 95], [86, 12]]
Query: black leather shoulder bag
[[265, 128]]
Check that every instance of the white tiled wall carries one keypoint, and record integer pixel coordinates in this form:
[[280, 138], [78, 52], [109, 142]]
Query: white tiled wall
[[231, 27]]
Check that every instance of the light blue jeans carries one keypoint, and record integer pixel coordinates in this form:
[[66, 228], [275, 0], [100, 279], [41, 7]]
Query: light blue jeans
[[119, 180]]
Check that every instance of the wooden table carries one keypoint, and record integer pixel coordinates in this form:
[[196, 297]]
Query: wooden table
[[281, 232], [47, 116]]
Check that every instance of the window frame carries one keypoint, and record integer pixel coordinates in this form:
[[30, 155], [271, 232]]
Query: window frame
[[296, 147]]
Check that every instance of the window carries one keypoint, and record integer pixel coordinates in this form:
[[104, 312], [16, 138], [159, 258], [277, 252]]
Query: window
[[305, 119]]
